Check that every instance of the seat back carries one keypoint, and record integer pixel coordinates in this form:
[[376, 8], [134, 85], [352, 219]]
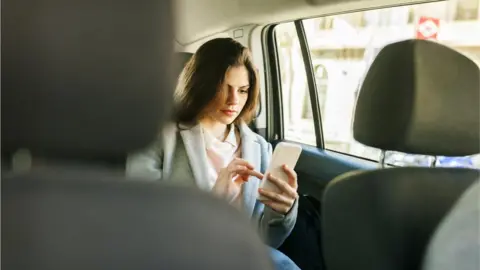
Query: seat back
[[383, 219], [418, 97], [455, 243], [84, 82], [63, 220]]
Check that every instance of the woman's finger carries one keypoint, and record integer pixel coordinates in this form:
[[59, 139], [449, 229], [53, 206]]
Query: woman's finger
[[278, 207], [277, 197], [240, 179], [292, 176], [238, 169], [239, 161], [259, 175], [283, 186], [249, 173]]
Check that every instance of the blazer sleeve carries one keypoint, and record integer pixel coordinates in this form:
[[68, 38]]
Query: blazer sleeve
[[274, 227], [145, 164]]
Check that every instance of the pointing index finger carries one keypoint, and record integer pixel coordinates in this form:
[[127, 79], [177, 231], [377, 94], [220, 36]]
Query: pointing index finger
[[239, 161], [259, 175]]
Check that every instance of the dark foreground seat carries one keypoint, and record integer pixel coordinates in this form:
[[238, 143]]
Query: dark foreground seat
[[84, 83]]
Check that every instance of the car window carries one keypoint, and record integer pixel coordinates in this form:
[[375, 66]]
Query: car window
[[342, 47], [297, 109]]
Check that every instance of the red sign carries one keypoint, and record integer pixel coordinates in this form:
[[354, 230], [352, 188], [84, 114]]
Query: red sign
[[427, 28]]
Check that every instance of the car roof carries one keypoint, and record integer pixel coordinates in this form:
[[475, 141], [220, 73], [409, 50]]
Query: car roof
[[198, 19]]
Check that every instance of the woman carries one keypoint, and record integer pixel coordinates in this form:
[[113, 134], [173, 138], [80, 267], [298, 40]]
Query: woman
[[210, 145]]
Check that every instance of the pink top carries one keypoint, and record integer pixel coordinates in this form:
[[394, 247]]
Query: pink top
[[220, 153]]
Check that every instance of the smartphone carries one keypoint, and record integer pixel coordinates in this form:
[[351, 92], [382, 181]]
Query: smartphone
[[284, 153]]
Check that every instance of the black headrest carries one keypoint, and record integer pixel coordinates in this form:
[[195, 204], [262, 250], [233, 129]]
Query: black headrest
[[84, 79], [181, 59], [420, 97]]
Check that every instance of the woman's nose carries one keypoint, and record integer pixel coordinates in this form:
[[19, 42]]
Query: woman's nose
[[232, 97]]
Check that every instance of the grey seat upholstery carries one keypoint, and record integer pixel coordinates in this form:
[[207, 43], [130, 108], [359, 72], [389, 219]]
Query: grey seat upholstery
[[84, 82], [455, 244], [418, 97]]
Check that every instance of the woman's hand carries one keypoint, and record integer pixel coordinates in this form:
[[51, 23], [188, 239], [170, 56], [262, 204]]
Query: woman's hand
[[231, 178], [282, 201]]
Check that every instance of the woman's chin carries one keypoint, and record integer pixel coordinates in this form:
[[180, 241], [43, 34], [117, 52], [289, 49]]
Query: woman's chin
[[227, 120]]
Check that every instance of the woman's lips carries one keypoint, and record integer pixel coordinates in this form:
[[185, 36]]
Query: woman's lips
[[229, 112]]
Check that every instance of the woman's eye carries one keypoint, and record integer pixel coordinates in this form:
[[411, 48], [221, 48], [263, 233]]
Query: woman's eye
[[243, 91]]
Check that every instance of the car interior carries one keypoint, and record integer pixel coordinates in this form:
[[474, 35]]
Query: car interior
[[383, 97]]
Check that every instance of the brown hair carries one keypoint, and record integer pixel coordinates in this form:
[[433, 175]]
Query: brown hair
[[199, 83]]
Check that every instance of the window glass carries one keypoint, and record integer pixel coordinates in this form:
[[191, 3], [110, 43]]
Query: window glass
[[467, 10], [342, 48], [297, 108]]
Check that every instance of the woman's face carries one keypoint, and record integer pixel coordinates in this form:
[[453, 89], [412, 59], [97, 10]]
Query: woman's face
[[234, 94]]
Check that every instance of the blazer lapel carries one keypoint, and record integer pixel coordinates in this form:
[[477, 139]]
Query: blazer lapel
[[197, 155], [251, 151]]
